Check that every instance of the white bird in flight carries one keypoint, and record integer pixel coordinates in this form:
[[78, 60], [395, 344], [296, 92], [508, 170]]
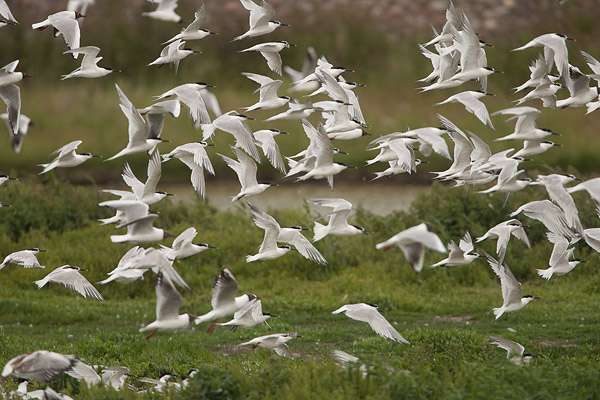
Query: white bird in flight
[[65, 24], [67, 157], [70, 277], [234, 123], [173, 53], [459, 255], [412, 242], [89, 65], [275, 233], [514, 351], [338, 219], [502, 233], [511, 289], [194, 156], [223, 300], [265, 138], [139, 222], [138, 131], [470, 99], [268, 99], [183, 247], [270, 51], [165, 11], [168, 301], [246, 169], [16, 139], [260, 19], [26, 258], [561, 261], [249, 316], [146, 191], [10, 94], [369, 313], [194, 31], [40, 365], [190, 94], [276, 342]]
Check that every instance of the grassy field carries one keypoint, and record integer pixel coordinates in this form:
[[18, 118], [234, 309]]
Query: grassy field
[[445, 314]]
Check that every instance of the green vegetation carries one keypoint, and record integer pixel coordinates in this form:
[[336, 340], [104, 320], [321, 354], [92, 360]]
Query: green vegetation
[[444, 313], [88, 109]]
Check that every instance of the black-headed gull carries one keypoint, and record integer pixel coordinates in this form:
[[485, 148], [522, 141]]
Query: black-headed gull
[[65, 24]]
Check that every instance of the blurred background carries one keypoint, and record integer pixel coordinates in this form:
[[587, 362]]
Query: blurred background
[[377, 38]]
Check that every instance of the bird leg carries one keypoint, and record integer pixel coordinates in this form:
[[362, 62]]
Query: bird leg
[[386, 248], [213, 326], [148, 336]]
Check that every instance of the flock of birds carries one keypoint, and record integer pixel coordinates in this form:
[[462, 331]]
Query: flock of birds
[[458, 57]]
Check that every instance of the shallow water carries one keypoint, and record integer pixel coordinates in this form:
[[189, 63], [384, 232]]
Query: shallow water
[[380, 199]]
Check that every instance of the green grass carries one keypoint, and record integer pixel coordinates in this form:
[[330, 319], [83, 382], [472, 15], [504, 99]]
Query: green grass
[[444, 313]]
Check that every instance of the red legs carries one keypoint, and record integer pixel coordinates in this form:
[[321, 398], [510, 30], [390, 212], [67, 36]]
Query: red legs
[[148, 336], [213, 326]]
